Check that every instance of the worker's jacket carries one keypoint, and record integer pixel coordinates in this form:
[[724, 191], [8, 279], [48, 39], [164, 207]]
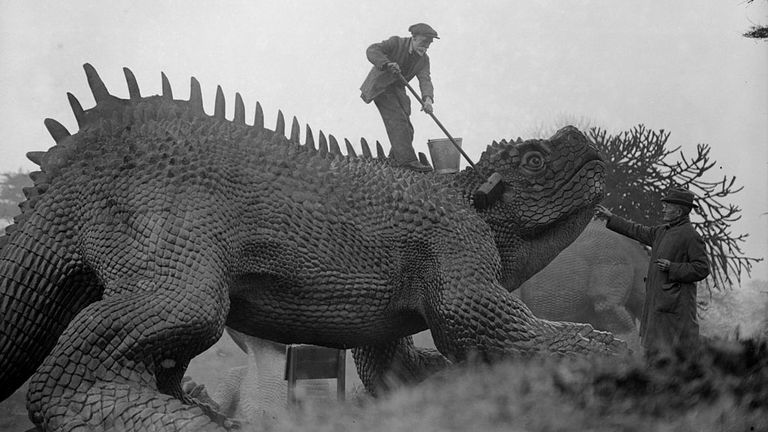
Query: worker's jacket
[[395, 49], [669, 315]]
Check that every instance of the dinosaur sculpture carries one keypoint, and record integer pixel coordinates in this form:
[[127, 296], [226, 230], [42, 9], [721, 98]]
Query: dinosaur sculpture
[[155, 225], [598, 279]]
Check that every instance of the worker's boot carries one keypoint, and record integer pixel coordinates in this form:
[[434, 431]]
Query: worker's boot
[[417, 166]]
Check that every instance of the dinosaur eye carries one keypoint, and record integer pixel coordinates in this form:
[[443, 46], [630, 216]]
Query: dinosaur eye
[[533, 161]]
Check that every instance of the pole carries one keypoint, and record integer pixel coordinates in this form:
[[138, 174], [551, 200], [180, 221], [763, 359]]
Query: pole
[[445, 131]]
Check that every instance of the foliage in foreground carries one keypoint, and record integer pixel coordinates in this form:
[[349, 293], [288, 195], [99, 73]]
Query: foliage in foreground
[[725, 388]]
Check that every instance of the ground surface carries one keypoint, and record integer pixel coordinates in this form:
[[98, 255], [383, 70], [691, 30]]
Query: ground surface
[[586, 395]]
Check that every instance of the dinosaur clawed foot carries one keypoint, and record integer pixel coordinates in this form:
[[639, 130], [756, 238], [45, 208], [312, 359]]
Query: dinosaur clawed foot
[[574, 338], [197, 395]]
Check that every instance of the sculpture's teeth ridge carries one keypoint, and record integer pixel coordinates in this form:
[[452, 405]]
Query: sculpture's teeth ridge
[[167, 91], [295, 130], [220, 106], [280, 126], [77, 109], [57, 130], [239, 110], [99, 90], [133, 86], [258, 117], [195, 95]]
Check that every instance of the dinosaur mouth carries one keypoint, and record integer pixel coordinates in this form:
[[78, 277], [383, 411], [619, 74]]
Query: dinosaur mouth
[[579, 192], [586, 186]]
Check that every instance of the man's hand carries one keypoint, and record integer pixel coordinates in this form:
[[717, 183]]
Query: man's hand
[[601, 211], [393, 67], [663, 264], [427, 107]]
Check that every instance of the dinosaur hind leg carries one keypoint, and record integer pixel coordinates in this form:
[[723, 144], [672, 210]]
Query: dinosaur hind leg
[[119, 363], [386, 366]]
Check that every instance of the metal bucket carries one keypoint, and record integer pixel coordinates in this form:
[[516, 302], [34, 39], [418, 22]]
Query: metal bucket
[[445, 157]]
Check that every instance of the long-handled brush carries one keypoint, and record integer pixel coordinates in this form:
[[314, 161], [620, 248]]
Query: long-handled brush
[[488, 192]]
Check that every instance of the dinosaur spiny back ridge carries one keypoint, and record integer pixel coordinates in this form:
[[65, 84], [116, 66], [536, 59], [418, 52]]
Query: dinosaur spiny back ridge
[[109, 107]]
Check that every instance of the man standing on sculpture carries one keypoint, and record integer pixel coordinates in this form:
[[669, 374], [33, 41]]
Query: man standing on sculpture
[[678, 261], [383, 86]]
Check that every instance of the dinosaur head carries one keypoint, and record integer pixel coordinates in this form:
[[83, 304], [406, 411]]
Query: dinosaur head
[[550, 189]]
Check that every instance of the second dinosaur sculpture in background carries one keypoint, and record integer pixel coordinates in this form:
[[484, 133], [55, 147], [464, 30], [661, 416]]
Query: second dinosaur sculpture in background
[[598, 279]]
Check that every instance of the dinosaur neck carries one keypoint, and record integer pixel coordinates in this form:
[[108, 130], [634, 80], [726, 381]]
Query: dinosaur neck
[[467, 182], [524, 255]]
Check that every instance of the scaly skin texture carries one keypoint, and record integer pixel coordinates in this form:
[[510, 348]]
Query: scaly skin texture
[[155, 225], [598, 279], [258, 391]]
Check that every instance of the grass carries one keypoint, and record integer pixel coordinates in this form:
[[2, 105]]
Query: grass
[[723, 389]]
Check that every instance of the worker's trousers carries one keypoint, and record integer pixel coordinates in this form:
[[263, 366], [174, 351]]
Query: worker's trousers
[[395, 108]]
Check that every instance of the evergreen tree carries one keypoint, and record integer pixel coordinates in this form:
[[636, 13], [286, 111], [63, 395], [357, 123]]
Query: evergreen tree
[[759, 31], [640, 169]]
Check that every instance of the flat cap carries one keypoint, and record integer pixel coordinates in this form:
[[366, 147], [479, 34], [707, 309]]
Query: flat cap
[[423, 29], [680, 196]]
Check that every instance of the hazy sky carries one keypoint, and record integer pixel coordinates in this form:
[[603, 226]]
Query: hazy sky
[[500, 69]]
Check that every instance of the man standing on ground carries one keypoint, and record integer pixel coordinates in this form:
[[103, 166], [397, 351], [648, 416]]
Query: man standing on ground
[[678, 261], [390, 58]]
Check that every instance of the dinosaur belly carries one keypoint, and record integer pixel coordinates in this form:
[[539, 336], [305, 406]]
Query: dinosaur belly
[[319, 315]]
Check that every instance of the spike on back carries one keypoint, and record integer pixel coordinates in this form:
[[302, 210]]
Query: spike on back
[[350, 149], [309, 140], [77, 109], [99, 90], [36, 157], [258, 117], [29, 191], [239, 109], [366, 149], [133, 86], [295, 130], [37, 176], [56, 129], [323, 146], [280, 126], [220, 106], [333, 146], [167, 91], [423, 159], [380, 151], [195, 95]]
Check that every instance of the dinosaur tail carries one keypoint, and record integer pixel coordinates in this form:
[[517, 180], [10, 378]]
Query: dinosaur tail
[[41, 289]]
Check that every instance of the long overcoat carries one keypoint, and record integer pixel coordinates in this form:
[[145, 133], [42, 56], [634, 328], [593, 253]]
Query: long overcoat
[[669, 314]]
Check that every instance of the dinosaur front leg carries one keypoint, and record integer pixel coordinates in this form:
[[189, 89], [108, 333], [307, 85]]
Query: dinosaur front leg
[[385, 366], [480, 317], [119, 363]]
